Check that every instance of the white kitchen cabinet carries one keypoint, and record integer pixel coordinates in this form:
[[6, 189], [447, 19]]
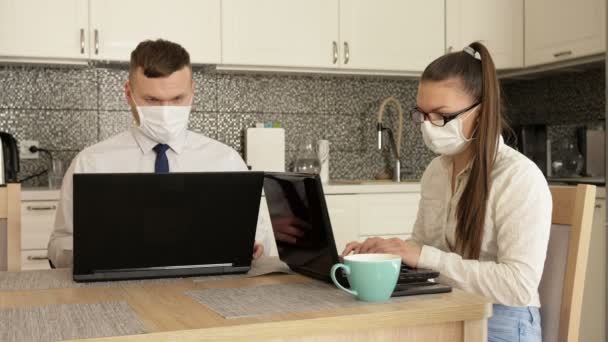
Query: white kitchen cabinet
[[44, 29], [35, 259], [358, 214], [37, 219], [288, 33], [391, 34], [387, 214], [499, 24], [118, 26], [557, 30], [593, 315], [343, 214]]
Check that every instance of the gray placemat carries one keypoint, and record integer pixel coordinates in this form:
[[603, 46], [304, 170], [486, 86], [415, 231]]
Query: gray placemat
[[68, 321], [59, 278], [264, 300], [262, 266]]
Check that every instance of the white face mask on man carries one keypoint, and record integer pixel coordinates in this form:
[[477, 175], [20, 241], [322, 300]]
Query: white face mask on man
[[163, 123], [448, 140]]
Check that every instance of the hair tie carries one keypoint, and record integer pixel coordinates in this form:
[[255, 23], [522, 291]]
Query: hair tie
[[471, 52]]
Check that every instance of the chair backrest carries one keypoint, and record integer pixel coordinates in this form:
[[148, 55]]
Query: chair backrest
[[563, 280], [10, 227]]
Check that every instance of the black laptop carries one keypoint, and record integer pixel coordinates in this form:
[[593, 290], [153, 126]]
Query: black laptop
[[145, 225], [298, 199]]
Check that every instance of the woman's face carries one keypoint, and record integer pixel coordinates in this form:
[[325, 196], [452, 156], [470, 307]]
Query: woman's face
[[447, 97]]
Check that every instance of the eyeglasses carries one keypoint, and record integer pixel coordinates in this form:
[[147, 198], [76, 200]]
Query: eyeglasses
[[418, 116]]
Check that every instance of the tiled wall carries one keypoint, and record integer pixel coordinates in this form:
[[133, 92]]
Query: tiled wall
[[563, 101], [69, 108]]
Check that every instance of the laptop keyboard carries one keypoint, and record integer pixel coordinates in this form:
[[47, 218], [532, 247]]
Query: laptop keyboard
[[414, 275]]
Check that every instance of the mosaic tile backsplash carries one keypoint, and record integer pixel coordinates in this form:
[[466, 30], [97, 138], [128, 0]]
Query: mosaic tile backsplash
[[69, 108], [564, 101]]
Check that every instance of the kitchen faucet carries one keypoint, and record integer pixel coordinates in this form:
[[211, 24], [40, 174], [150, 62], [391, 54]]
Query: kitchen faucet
[[395, 146]]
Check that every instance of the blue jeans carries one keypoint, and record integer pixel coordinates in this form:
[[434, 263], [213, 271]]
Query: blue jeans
[[513, 324]]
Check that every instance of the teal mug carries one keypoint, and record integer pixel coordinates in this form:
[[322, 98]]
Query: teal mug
[[372, 277]]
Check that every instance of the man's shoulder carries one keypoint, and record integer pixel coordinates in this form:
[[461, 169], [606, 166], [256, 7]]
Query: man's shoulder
[[116, 142], [199, 141], [222, 156]]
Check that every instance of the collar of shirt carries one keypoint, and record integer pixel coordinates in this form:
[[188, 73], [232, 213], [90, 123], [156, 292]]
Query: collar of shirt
[[146, 144]]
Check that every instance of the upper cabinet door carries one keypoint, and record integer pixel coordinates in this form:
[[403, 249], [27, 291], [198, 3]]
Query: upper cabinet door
[[44, 29], [499, 24], [401, 35], [564, 29], [280, 33], [118, 26]]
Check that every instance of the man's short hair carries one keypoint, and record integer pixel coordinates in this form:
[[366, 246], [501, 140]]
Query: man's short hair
[[158, 58]]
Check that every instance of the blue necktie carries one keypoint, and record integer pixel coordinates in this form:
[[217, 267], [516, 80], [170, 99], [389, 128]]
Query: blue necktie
[[161, 165]]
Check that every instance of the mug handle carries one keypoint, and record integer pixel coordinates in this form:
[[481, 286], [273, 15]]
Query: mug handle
[[332, 273]]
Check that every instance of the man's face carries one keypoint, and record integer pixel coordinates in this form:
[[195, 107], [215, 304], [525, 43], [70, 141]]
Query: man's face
[[176, 89]]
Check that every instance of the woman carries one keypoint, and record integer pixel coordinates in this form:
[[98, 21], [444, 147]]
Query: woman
[[485, 212]]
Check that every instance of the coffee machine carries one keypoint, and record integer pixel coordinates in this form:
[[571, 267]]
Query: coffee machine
[[9, 159]]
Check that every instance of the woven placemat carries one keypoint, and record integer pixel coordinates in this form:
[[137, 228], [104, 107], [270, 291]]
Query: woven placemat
[[62, 278], [275, 299], [59, 278], [260, 267], [51, 323]]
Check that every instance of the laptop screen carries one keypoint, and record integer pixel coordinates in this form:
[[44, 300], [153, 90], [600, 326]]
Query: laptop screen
[[135, 221], [300, 222]]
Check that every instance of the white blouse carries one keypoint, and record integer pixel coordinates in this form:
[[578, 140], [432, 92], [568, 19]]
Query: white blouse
[[516, 229]]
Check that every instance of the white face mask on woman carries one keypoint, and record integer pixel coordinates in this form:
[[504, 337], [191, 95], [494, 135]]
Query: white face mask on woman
[[447, 140], [163, 123]]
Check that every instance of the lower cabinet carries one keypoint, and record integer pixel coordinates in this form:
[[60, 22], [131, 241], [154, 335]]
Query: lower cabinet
[[355, 217], [37, 218]]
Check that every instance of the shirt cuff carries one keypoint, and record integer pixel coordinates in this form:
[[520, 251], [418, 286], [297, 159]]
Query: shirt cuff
[[429, 258]]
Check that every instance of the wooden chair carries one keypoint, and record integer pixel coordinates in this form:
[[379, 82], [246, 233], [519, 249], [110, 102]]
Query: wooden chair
[[10, 227], [563, 280]]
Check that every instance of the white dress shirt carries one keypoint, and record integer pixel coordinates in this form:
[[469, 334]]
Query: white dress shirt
[[515, 236], [132, 152]]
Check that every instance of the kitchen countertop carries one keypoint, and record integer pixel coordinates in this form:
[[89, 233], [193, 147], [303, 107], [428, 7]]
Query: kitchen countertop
[[39, 194], [335, 187]]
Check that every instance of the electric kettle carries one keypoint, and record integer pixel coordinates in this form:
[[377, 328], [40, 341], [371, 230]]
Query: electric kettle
[[9, 159]]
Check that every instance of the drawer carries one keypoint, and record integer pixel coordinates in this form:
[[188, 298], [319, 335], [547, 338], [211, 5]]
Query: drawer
[[387, 214], [34, 260], [37, 220]]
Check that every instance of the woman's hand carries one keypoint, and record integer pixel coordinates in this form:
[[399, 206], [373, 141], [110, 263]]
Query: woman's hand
[[407, 250], [258, 250]]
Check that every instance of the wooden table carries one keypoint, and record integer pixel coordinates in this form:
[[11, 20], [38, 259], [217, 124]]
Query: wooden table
[[170, 315]]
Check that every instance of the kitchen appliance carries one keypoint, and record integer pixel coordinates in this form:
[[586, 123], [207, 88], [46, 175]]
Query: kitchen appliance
[[592, 146], [9, 159], [265, 149], [532, 142]]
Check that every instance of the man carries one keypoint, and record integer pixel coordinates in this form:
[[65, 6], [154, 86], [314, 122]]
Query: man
[[160, 91]]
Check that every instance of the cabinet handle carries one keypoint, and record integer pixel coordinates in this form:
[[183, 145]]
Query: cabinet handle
[[335, 50], [96, 41], [562, 54], [81, 41], [41, 207], [346, 53], [37, 257], [598, 206]]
